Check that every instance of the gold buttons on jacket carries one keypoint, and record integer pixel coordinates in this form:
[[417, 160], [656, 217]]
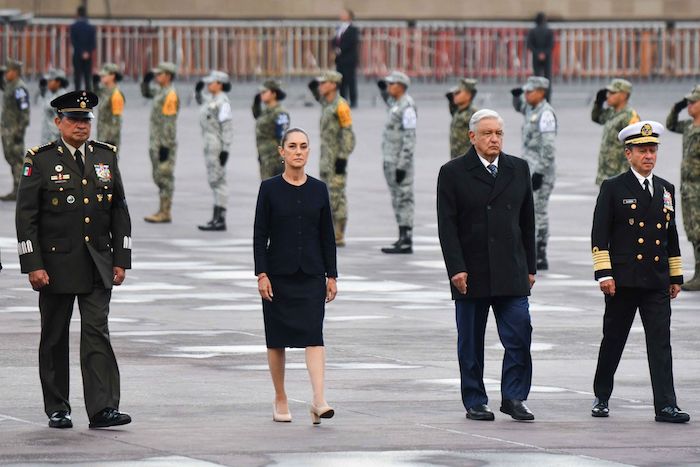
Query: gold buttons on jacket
[[53, 248], [640, 241], [634, 206], [658, 242], [639, 257], [656, 258], [87, 220], [641, 224], [87, 239], [86, 200], [658, 226], [84, 181]]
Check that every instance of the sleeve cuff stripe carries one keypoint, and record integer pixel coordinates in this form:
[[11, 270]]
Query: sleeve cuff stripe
[[599, 266]]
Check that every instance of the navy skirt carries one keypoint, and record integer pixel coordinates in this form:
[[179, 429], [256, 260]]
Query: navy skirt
[[294, 317]]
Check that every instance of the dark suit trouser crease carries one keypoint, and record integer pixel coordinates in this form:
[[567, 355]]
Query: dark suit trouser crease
[[655, 311], [348, 87], [97, 361], [515, 331], [82, 71]]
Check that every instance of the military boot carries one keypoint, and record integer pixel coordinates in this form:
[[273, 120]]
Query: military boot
[[218, 222], [163, 215], [340, 232], [542, 264], [693, 285], [404, 244]]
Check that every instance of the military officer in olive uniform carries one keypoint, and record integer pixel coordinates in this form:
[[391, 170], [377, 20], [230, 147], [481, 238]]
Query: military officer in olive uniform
[[538, 134], [637, 262], [162, 147], [690, 174], [271, 121], [53, 84], [461, 103], [216, 122], [618, 114], [14, 121], [111, 107], [398, 148], [74, 241], [337, 142]]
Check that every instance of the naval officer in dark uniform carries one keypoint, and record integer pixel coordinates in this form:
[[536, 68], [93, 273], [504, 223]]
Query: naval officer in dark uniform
[[74, 236], [637, 261]]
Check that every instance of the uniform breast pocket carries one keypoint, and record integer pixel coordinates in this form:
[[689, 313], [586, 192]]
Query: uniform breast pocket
[[61, 197]]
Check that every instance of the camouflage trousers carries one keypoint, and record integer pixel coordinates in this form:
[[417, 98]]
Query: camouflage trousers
[[402, 199], [164, 172], [690, 204], [336, 192], [216, 174], [541, 197], [13, 147], [270, 164]]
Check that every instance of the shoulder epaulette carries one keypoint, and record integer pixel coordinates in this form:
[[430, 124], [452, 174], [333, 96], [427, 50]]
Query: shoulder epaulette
[[103, 145], [37, 149]]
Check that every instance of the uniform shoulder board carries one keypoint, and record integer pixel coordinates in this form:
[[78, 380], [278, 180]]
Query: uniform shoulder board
[[103, 145], [37, 149]]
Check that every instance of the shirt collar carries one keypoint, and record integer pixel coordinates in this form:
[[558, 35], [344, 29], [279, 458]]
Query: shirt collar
[[641, 178], [72, 149], [486, 162]]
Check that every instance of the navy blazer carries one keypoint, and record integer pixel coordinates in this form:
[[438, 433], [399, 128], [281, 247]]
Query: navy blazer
[[294, 229], [82, 37], [349, 45], [487, 225]]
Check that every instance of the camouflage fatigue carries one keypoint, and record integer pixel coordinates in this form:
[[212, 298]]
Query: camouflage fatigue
[[163, 135], [49, 130], [398, 147], [538, 133], [611, 160], [270, 125], [459, 130], [337, 142], [109, 115], [690, 174], [13, 125], [216, 122]]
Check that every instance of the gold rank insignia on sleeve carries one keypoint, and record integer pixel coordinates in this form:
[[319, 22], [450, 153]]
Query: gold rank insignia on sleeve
[[601, 259], [675, 266]]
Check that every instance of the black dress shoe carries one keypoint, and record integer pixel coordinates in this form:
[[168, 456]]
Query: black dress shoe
[[109, 417], [672, 414], [480, 412], [600, 408], [60, 419], [516, 409]]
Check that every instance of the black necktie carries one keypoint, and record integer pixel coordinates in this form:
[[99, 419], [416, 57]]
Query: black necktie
[[79, 160], [647, 189]]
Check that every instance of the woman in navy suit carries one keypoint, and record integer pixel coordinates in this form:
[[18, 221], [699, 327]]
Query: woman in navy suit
[[295, 261]]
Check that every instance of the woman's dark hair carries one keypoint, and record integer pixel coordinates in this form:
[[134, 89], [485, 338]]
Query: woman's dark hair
[[293, 130]]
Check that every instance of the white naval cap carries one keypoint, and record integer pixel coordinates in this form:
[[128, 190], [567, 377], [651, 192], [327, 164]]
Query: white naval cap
[[644, 132]]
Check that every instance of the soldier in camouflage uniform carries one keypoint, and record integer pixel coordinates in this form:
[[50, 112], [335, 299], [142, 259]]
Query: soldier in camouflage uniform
[[53, 84], [111, 106], [163, 135], [461, 102], [14, 121], [337, 142], [216, 121], [398, 147], [690, 174], [618, 114], [538, 133], [271, 121]]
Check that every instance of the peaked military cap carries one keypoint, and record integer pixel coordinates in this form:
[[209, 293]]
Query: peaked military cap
[[397, 76], [694, 94], [76, 104], [330, 76], [619, 85], [536, 82], [274, 86], [645, 132]]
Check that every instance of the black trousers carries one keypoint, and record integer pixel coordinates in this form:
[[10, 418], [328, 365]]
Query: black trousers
[[348, 87], [655, 310], [82, 71], [97, 361], [543, 68]]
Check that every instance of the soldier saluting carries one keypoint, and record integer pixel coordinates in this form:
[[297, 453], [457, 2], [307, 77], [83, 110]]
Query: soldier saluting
[[74, 236], [637, 261]]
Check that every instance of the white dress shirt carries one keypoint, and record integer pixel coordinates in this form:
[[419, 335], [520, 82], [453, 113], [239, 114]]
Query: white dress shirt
[[72, 149], [487, 163], [641, 179]]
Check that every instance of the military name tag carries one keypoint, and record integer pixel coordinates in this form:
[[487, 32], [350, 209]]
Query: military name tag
[[103, 173], [629, 200]]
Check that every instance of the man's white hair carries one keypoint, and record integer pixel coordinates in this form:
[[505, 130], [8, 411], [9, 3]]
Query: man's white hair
[[481, 115]]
